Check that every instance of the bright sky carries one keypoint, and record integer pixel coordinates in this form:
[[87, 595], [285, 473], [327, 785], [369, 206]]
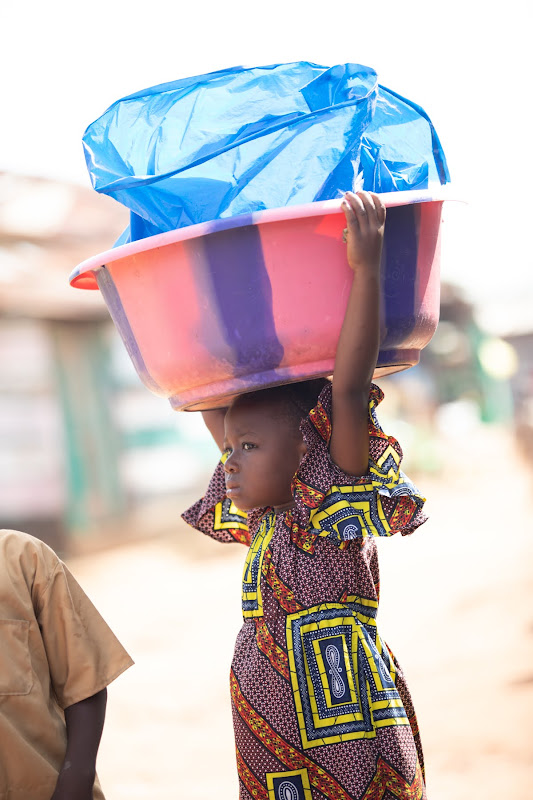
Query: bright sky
[[465, 63]]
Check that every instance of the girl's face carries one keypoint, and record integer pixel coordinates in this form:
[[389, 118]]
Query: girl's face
[[264, 451]]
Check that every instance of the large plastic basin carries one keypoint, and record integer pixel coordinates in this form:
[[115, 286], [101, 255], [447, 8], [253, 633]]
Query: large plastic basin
[[216, 309]]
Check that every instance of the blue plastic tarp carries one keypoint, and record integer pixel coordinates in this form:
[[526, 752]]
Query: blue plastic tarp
[[243, 140]]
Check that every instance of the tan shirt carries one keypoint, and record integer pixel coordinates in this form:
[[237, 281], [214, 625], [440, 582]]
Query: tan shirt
[[55, 650]]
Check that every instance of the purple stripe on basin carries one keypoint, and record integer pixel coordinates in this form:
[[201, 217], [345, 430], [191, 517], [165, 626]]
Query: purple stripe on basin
[[399, 276], [238, 292]]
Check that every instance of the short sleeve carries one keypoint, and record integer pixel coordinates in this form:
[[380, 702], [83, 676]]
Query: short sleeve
[[83, 653], [342, 507], [216, 515]]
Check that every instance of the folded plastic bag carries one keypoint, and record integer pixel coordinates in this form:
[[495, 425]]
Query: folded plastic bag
[[243, 140]]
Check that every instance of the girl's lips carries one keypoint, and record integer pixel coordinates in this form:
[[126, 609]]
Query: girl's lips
[[232, 489]]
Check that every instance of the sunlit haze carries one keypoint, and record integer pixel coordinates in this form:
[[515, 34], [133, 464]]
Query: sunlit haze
[[466, 64]]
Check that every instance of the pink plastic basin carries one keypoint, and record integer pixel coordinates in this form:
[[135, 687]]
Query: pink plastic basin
[[228, 306]]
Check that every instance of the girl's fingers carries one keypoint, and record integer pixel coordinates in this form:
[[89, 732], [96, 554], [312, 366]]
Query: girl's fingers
[[350, 214], [370, 215], [356, 204], [364, 211], [355, 213], [364, 207], [381, 211]]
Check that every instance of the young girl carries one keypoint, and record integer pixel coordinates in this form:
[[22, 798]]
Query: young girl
[[321, 708]]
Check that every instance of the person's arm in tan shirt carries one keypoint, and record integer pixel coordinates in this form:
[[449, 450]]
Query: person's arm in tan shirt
[[85, 722]]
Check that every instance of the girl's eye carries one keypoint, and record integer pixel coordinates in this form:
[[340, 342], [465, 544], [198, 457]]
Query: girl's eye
[[227, 451], [248, 446]]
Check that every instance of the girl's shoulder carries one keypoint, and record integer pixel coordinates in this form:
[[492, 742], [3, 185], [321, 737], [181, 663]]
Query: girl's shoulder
[[330, 502], [317, 465]]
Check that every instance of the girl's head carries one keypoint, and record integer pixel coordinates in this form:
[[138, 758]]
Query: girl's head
[[264, 445]]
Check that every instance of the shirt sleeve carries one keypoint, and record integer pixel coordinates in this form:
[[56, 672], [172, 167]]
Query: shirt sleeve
[[83, 653], [331, 503], [216, 515]]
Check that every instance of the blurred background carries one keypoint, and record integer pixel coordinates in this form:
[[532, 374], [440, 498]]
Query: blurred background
[[99, 468]]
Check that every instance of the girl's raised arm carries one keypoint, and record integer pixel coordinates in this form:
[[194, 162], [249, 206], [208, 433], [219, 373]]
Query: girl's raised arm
[[358, 345], [214, 422]]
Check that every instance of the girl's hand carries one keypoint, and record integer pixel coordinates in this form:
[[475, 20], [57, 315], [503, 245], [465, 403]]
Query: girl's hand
[[365, 217]]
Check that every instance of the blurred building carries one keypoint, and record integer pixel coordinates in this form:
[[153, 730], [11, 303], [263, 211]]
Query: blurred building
[[82, 441], [470, 375]]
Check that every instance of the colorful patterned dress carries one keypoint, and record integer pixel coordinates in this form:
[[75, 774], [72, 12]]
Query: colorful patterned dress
[[320, 706]]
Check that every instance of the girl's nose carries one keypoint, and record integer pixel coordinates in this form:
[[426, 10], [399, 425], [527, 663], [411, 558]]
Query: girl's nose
[[229, 464]]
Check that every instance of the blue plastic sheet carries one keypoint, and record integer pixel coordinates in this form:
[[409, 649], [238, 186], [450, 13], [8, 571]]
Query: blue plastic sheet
[[242, 140]]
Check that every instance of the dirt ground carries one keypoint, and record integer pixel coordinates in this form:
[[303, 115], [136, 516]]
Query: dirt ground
[[456, 608]]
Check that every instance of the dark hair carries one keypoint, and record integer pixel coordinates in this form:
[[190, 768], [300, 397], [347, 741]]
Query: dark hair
[[294, 400]]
